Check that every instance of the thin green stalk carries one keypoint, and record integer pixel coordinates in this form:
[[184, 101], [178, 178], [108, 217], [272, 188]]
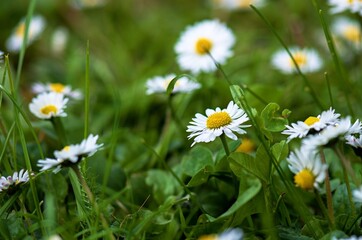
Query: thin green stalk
[[59, 129], [328, 193], [86, 97], [323, 209], [306, 82], [329, 89], [225, 144]]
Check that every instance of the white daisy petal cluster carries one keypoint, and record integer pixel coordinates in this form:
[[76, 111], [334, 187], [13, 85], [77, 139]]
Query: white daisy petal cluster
[[203, 43], [36, 27], [56, 88], [159, 84], [71, 154], [337, 6], [238, 4], [348, 31], [308, 60], [230, 234], [312, 124], [17, 178], [308, 169], [217, 122], [48, 104]]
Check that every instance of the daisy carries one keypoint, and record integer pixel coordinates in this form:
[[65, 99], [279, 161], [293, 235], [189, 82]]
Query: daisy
[[159, 84], [348, 30], [48, 105], [199, 41], [307, 59], [57, 88], [357, 195], [332, 133], [311, 124], [308, 169], [82, 4], [238, 4], [77, 152], [71, 154], [230, 234], [343, 5], [59, 40], [217, 122], [14, 180], [36, 27]]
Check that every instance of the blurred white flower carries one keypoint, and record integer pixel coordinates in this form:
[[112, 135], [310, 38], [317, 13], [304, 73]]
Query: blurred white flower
[[17, 178], [307, 59], [338, 6], [311, 124], [238, 4], [159, 84], [217, 122], [36, 27], [81, 4], [347, 30], [230, 234], [199, 41], [56, 88], [357, 194], [308, 169], [47, 105], [59, 40], [49, 163]]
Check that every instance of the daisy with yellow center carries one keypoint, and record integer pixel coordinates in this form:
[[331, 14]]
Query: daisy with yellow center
[[311, 125], [348, 31], [246, 146], [159, 84], [308, 169], [230, 234], [11, 181], [48, 105], [198, 42], [238, 4], [36, 27], [338, 6], [57, 88], [307, 60], [218, 122]]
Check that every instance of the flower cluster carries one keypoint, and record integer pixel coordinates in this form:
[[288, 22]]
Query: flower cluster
[[71, 154]]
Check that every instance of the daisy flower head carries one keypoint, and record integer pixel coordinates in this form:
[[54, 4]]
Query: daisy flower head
[[307, 59], [47, 105], [308, 169], [57, 88], [311, 125], [12, 181], [76, 152], [36, 27], [348, 30], [238, 4], [159, 84], [230, 234], [332, 133], [199, 41], [217, 122], [345, 5]]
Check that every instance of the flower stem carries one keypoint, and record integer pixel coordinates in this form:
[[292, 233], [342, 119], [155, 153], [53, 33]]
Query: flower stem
[[323, 208], [225, 144]]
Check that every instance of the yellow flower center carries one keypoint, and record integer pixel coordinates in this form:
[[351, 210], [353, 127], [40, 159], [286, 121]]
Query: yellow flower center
[[208, 237], [203, 46], [48, 109], [218, 119], [352, 34], [311, 120], [300, 58], [20, 30], [304, 179], [57, 87], [244, 3], [246, 146], [66, 148]]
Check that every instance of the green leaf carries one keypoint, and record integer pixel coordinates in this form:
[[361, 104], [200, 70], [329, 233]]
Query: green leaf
[[201, 177], [280, 150], [272, 122], [198, 158]]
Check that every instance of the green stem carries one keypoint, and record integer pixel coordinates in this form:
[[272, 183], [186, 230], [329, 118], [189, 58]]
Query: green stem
[[59, 129], [225, 144], [323, 209], [328, 193]]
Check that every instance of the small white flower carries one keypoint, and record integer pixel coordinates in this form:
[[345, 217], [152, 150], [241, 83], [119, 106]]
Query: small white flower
[[36, 27], [345, 5], [76, 152], [217, 122], [15, 179], [57, 88], [82, 4], [48, 105], [308, 169], [316, 124], [332, 133], [199, 41], [357, 195], [59, 40], [230, 234], [238, 4], [348, 30], [307, 59], [159, 84]]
